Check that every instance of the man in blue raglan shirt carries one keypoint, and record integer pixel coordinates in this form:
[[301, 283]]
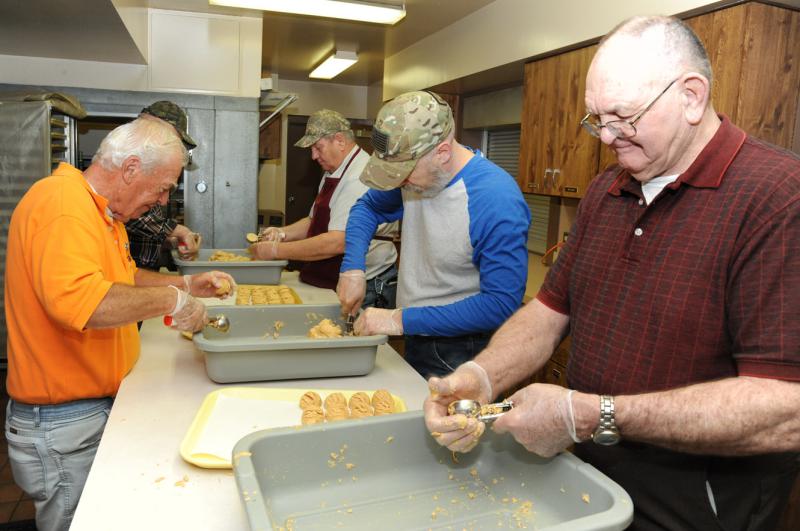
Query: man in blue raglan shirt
[[463, 260]]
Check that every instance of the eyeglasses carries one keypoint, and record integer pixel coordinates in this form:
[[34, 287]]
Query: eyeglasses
[[620, 128]]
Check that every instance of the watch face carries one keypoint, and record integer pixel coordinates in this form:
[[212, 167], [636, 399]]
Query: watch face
[[606, 437]]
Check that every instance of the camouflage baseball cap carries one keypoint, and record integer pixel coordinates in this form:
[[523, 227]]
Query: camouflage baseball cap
[[407, 128], [169, 112], [322, 123]]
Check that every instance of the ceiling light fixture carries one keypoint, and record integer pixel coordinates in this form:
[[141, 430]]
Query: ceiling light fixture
[[335, 64], [344, 9]]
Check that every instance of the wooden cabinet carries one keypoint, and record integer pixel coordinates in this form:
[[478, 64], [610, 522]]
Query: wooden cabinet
[[555, 370], [556, 156], [754, 50], [269, 138]]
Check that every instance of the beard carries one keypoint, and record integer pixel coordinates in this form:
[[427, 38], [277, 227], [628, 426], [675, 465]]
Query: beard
[[440, 181]]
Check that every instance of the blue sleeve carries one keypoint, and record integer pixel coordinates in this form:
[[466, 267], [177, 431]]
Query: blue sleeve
[[372, 209], [499, 220]]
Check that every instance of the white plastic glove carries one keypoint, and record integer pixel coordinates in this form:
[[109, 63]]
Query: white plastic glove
[[271, 234], [374, 321], [264, 250], [188, 245], [351, 289], [188, 314], [209, 284], [542, 419], [457, 432]]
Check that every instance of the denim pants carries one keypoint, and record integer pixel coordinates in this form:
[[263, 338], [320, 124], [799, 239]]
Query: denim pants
[[382, 290], [439, 356], [51, 449]]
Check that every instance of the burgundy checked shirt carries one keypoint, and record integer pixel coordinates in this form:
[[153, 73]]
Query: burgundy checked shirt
[[702, 284]]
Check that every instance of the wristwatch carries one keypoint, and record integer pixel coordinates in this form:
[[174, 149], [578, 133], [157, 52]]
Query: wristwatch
[[606, 433]]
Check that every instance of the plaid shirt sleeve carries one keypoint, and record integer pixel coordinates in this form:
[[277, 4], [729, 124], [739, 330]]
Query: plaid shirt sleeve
[[147, 234]]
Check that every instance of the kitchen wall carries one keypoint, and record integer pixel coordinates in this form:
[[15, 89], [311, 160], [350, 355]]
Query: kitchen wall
[[506, 31], [500, 107]]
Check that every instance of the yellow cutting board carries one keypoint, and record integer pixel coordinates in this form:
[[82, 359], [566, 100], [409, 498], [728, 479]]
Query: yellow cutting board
[[228, 414]]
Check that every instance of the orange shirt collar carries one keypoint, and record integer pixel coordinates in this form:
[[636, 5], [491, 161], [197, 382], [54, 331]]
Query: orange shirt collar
[[67, 170]]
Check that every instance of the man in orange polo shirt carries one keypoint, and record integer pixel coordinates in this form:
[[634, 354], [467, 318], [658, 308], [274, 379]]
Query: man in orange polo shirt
[[73, 296]]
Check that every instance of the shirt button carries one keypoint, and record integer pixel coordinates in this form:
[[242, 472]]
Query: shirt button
[[638, 231], [641, 201]]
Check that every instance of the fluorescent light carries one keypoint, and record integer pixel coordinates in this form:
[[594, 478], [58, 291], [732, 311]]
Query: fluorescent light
[[334, 65], [349, 10]]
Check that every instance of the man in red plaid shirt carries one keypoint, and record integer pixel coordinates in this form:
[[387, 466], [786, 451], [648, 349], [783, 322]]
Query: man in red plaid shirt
[[680, 287]]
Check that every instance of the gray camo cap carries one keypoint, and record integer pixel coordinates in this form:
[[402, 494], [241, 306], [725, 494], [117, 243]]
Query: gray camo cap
[[321, 124], [407, 128]]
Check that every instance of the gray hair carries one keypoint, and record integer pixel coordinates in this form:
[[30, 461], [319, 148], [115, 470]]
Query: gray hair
[[153, 142], [685, 47]]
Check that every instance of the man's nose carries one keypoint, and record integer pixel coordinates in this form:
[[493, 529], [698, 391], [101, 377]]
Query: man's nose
[[606, 137]]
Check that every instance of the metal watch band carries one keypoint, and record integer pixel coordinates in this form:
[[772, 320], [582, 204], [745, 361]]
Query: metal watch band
[[607, 412]]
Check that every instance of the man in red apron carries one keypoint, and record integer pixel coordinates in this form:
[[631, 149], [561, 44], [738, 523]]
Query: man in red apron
[[318, 240]]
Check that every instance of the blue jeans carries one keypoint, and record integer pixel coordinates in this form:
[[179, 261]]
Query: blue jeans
[[51, 449], [439, 356], [382, 290]]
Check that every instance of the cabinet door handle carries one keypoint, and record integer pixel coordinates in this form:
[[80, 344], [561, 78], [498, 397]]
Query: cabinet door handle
[[544, 179], [556, 373], [555, 179]]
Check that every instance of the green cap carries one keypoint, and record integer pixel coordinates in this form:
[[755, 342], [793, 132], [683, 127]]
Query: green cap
[[407, 128], [169, 112], [320, 124]]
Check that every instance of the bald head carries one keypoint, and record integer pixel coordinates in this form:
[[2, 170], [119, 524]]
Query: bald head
[[654, 48], [651, 78]]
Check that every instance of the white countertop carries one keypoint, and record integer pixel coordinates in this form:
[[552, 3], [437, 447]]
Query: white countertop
[[153, 410]]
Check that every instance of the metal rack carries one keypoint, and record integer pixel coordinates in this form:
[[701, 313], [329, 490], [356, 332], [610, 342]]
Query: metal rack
[[34, 139]]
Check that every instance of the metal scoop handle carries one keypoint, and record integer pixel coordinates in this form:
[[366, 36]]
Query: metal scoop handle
[[486, 413]]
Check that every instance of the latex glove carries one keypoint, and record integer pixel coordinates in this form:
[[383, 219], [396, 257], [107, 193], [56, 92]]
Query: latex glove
[[351, 289], [541, 419], [188, 245], [374, 321], [210, 284], [266, 250], [188, 314], [457, 432], [271, 234]]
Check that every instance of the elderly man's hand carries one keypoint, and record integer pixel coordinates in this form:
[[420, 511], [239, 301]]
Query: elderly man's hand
[[192, 317], [210, 284], [267, 250], [188, 314], [271, 234], [374, 321], [188, 245], [540, 420], [457, 432], [351, 289]]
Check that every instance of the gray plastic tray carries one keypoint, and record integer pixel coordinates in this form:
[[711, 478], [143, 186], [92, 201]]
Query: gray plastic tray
[[388, 473], [248, 352], [252, 272]]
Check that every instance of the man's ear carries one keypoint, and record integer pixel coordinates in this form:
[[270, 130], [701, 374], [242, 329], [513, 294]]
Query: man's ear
[[696, 96], [130, 166], [444, 151]]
